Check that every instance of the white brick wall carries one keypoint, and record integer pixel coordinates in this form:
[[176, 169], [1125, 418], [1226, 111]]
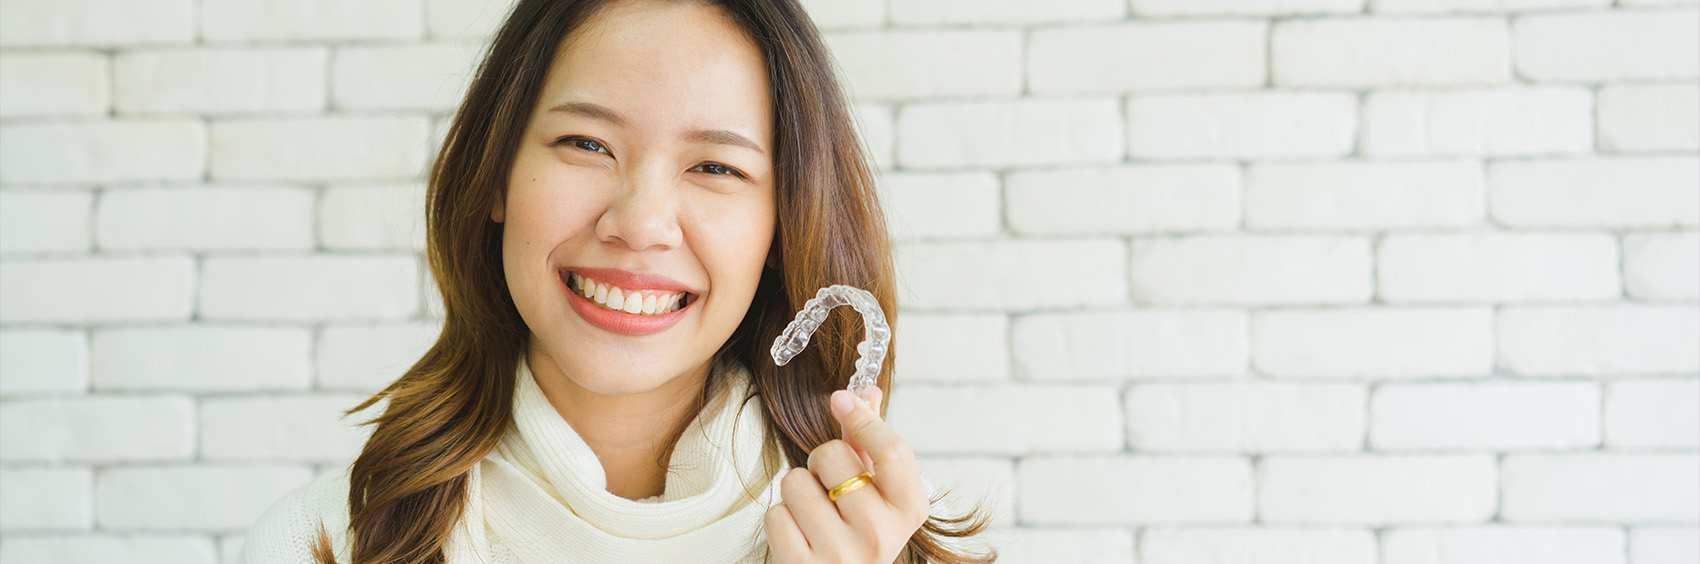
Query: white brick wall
[[1283, 281]]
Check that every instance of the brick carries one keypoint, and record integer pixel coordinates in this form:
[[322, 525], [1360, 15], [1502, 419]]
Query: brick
[[97, 429], [1140, 56], [1251, 269], [1377, 490], [1012, 275], [1134, 199], [230, 548], [1250, 417], [1167, 545], [373, 217], [903, 64], [1618, 488], [1598, 340], [1109, 345], [369, 357], [1649, 117], [1162, 8], [1662, 266], [100, 549], [54, 84], [876, 124], [1604, 192], [1379, 342], [1653, 414], [46, 499], [45, 222], [1503, 545], [973, 12], [321, 148], [1133, 490], [1664, 545], [201, 358], [310, 288], [464, 19], [84, 290], [433, 296], [282, 428], [1373, 52], [322, 20], [953, 347], [429, 76], [1496, 416], [102, 151], [205, 218], [985, 482], [43, 361], [201, 497], [1497, 266], [1241, 125], [927, 205], [1040, 131], [1608, 45], [1070, 545], [1008, 419], [1364, 195], [96, 22], [1489, 6], [1520, 121], [221, 80]]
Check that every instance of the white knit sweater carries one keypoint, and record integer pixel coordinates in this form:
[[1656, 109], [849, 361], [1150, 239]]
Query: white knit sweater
[[541, 496]]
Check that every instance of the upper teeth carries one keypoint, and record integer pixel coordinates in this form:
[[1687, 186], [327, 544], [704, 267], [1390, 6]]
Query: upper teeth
[[641, 302]]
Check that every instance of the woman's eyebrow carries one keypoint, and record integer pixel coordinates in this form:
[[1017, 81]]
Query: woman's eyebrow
[[715, 136], [723, 137], [592, 111]]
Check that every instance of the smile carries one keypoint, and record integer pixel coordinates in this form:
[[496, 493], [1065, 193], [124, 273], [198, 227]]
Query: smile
[[635, 301], [626, 303]]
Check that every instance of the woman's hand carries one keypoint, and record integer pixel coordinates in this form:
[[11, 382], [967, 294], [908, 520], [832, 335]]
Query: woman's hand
[[870, 525]]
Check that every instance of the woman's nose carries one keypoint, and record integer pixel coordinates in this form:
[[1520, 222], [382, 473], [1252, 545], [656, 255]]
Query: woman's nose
[[644, 213]]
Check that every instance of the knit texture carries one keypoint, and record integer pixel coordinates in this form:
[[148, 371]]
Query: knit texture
[[541, 495]]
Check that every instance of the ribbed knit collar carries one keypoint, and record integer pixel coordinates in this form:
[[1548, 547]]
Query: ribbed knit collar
[[542, 495]]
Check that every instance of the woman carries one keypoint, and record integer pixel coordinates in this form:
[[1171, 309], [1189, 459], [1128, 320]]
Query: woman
[[633, 200]]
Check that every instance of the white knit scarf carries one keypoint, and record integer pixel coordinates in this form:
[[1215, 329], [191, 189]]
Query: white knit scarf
[[541, 496]]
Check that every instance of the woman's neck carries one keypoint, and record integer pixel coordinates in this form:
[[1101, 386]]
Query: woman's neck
[[631, 434]]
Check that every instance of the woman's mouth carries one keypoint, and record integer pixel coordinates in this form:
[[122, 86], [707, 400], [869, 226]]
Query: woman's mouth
[[632, 301], [646, 305]]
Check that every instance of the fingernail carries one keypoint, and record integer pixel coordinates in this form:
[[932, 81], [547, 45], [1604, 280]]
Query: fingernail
[[841, 402]]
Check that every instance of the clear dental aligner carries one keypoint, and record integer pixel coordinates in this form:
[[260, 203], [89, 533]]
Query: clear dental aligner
[[876, 335]]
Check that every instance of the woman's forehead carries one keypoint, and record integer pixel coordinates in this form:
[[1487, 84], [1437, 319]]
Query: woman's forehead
[[664, 64]]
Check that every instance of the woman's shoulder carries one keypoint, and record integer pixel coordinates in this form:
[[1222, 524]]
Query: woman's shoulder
[[288, 530]]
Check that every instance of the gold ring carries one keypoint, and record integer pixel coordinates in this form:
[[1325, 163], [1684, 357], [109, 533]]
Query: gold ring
[[850, 485]]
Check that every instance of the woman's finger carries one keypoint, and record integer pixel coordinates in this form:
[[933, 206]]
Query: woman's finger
[[784, 537], [874, 396], [895, 470], [816, 515], [863, 508]]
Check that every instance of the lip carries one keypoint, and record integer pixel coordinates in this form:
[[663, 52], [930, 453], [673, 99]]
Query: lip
[[633, 280], [620, 322]]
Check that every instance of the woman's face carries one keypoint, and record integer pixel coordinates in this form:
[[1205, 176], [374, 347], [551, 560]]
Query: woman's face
[[640, 209]]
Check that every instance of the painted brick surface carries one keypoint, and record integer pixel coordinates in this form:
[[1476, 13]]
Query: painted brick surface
[[1322, 281]]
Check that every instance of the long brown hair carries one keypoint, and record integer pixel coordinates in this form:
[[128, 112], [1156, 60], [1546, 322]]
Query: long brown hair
[[408, 486]]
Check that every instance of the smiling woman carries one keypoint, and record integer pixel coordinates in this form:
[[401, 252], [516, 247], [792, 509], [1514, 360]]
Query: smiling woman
[[630, 204]]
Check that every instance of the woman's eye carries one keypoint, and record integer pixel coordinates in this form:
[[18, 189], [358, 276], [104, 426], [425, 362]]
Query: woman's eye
[[717, 168], [585, 143]]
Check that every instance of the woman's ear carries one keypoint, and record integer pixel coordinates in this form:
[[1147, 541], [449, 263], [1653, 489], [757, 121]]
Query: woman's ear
[[498, 212]]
